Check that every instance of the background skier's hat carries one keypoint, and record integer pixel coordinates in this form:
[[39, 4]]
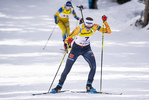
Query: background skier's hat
[[68, 3]]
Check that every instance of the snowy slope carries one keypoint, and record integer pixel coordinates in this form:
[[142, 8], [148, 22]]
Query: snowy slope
[[26, 68]]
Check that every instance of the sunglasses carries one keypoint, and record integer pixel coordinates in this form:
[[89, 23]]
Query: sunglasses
[[68, 7]]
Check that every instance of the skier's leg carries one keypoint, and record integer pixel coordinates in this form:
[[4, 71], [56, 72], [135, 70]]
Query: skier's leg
[[70, 61], [63, 28], [67, 28], [68, 31], [73, 55], [64, 35], [89, 57]]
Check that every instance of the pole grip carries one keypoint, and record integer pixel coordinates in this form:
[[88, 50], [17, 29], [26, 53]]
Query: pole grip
[[81, 7]]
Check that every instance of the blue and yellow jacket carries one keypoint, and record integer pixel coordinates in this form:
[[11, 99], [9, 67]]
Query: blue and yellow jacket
[[62, 13], [82, 37]]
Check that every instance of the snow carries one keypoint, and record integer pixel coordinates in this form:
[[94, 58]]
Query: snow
[[26, 68]]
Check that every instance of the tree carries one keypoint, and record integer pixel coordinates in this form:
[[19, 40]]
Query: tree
[[142, 1], [146, 13]]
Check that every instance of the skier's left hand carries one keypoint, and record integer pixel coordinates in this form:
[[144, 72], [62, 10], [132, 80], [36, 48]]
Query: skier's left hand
[[104, 18], [81, 21], [77, 18], [56, 21]]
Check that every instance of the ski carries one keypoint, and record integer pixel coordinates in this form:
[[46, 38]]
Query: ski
[[49, 92], [96, 92], [63, 49], [78, 92]]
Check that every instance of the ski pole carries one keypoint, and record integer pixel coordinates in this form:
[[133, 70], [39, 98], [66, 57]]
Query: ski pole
[[49, 37], [101, 58], [57, 70], [77, 23], [81, 7]]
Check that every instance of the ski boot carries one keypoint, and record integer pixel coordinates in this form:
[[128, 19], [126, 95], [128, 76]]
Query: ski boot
[[89, 87], [65, 46], [56, 89]]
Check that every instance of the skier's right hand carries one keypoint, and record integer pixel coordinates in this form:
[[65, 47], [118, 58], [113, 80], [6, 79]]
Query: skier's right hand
[[56, 21], [70, 40]]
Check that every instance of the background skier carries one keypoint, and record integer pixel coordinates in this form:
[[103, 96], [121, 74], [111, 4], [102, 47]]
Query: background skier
[[61, 18]]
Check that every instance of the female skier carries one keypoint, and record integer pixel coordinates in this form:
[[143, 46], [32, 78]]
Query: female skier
[[61, 18], [81, 46]]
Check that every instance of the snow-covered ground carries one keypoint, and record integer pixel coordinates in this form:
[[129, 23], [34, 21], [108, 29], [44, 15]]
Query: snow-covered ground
[[26, 68]]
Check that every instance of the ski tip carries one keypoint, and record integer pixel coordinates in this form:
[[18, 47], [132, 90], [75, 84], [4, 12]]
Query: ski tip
[[49, 92], [34, 94], [40, 93]]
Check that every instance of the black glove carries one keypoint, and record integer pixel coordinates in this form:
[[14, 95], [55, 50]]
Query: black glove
[[56, 21], [77, 18], [81, 21]]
